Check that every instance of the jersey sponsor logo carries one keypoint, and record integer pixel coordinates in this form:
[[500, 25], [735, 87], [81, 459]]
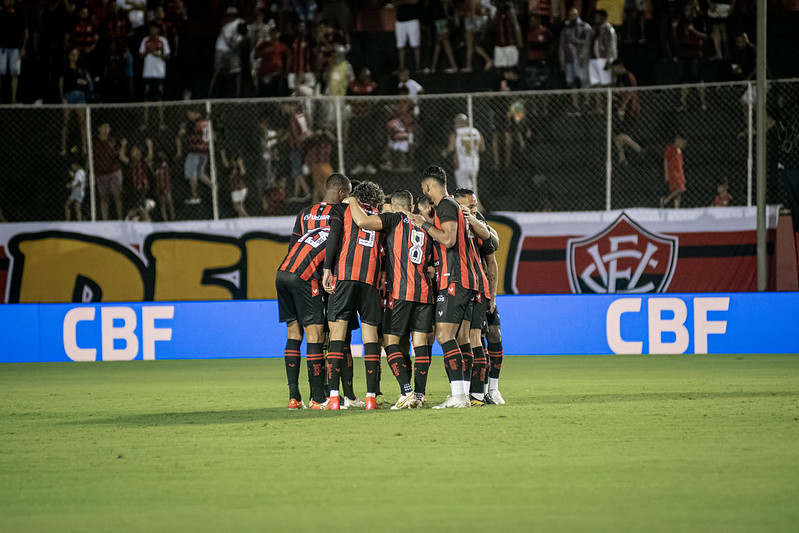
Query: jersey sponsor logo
[[623, 258]]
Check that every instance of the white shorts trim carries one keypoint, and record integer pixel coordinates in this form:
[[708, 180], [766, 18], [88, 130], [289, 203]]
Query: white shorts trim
[[408, 32], [597, 75]]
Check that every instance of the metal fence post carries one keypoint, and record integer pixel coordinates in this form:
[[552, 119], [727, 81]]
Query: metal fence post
[[749, 141], [470, 116], [339, 134], [609, 149], [212, 161], [90, 155]]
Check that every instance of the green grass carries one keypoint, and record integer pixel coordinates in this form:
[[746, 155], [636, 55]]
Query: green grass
[[622, 443]]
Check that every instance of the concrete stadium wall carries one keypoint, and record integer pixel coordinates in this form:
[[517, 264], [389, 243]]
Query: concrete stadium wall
[[749, 323]]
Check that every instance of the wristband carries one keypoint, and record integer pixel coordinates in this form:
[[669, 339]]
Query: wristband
[[426, 226]]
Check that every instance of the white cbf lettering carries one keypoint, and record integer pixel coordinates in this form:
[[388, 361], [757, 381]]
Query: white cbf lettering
[[613, 325], [150, 333], [125, 332], [704, 327], [659, 325], [71, 319]]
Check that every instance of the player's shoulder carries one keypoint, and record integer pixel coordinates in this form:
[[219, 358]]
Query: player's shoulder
[[391, 220]]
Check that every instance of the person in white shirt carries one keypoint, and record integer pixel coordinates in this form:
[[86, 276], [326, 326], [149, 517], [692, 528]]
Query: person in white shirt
[[466, 143], [414, 89], [77, 186], [227, 58], [155, 51]]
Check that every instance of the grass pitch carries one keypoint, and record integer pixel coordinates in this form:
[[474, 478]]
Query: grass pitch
[[622, 443]]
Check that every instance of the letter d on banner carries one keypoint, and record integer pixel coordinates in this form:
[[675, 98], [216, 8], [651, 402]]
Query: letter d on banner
[[126, 332]]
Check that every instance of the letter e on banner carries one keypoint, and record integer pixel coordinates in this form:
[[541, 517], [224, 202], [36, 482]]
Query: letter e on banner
[[150, 333], [704, 327], [71, 319], [125, 332], [613, 325]]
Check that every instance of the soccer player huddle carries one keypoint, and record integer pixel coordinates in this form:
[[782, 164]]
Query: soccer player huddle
[[413, 272]]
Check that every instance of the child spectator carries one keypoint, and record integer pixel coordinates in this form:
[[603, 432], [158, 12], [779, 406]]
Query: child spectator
[[238, 188], [439, 12], [273, 59], [269, 155], [163, 187], [673, 171], [77, 186], [475, 24], [723, 197], [154, 51], [413, 87], [301, 62], [400, 135]]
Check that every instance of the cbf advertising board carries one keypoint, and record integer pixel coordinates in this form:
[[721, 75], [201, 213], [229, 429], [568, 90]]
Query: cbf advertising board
[[750, 323]]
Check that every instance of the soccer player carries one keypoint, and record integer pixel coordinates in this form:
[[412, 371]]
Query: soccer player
[[300, 301], [351, 276], [484, 308], [457, 275], [409, 252]]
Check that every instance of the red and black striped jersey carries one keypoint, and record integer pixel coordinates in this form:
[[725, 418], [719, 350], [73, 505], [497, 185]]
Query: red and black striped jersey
[[355, 255], [458, 264], [314, 216], [483, 248], [307, 255], [409, 251]]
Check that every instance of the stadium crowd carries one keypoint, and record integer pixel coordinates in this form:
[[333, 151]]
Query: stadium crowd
[[262, 47]]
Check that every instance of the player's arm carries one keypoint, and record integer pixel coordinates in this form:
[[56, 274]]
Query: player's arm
[[492, 272], [364, 221], [331, 250], [447, 235], [478, 227], [123, 156], [450, 146]]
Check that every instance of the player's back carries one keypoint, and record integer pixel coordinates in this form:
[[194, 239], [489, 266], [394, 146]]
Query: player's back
[[307, 255], [313, 216], [457, 264], [409, 251], [359, 251]]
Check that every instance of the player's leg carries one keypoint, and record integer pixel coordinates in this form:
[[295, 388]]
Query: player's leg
[[466, 348], [477, 377], [315, 360], [394, 330], [288, 313], [451, 308], [340, 309], [370, 311], [495, 354]]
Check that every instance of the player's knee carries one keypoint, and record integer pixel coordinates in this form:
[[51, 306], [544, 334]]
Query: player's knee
[[494, 334]]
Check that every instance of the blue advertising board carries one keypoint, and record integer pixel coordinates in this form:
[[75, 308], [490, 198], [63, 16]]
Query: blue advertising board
[[531, 325]]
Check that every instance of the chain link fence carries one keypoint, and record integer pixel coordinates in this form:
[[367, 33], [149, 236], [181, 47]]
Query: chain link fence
[[542, 151]]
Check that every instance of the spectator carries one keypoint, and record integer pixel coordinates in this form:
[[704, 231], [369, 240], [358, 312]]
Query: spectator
[[408, 30], [400, 135], [673, 170], [723, 197], [336, 13], [305, 10], [465, 143], [273, 64], [83, 34], [163, 187], [118, 73], [540, 46], [604, 52], [574, 52], [73, 85], [301, 61], [328, 39], [227, 57], [155, 52], [108, 168], [635, 11], [13, 43], [414, 89], [277, 198], [259, 31], [629, 105], [195, 134], [139, 168], [298, 129], [338, 77], [270, 156], [363, 149], [508, 37], [690, 43], [440, 13], [238, 188], [135, 11], [718, 13], [77, 187], [318, 157], [475, 24]]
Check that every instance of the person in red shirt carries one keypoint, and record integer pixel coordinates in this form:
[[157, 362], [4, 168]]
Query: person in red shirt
[[690, 43], [108, 169], [234, 163], [194, 137], [673, 171], [301, 59], [273, 65], [723, 197]]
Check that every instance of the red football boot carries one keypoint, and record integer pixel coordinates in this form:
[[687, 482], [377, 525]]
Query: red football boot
[[371, 403]]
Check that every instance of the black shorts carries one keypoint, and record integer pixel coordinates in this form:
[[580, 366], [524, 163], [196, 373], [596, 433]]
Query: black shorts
[[352, 296], [451, 304], [479, 309], [402, 317], [299, 300], [493, 318]]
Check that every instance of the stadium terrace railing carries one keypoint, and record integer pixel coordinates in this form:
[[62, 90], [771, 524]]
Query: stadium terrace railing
[[595, 149]]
